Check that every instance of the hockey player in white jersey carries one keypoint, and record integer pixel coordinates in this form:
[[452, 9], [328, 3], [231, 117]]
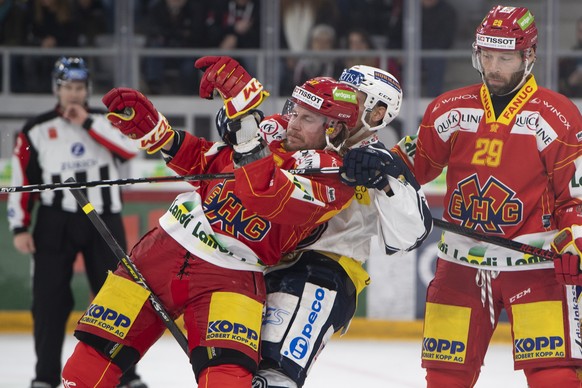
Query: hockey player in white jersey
[[314, 292]]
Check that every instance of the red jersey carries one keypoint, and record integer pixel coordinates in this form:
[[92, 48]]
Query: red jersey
[[250, 221], [516, 175]]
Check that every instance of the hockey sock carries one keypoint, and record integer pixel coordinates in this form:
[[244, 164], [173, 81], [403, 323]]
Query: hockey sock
[[225, 376], [438, 378], [563, 377], [88, 368]]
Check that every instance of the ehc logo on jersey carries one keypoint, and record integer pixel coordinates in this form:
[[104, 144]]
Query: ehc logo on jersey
[[490, 207], [222, 207]]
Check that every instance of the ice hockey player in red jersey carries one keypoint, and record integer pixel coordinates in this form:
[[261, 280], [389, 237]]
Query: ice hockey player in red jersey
[[328, 267], [205, 259], [513, 154]]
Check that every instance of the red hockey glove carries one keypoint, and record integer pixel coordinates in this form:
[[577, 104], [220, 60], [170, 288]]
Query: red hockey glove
[[273, 128], [239, 90], [137, 118], [568, 242]]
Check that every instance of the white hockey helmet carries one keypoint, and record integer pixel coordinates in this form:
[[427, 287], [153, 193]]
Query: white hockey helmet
[[379, 86]]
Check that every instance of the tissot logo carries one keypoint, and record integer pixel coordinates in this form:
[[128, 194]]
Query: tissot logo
[[495, 42], [307, 97]]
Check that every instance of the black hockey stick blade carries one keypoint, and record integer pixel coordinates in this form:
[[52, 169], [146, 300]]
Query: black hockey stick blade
[[131, 181], [126, 262], [500, 241]]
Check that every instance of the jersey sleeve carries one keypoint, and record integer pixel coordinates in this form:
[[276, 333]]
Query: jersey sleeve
[[564, 166], [198, 156], [285, 198], [427, 152], [101, 130], [405, 218], [25, 171]]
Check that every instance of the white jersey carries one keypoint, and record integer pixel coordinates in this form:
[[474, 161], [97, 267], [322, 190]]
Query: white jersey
[[398, 219], [51, 149]]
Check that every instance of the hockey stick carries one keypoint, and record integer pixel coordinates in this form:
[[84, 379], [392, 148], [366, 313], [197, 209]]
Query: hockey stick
[[500, 241], [131, 269], [130, 181]]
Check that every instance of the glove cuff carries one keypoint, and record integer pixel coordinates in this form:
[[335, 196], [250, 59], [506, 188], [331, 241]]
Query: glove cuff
[[158, 137], [250, 97]]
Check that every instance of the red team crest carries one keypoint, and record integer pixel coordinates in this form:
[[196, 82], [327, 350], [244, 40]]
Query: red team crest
[[490, 207]]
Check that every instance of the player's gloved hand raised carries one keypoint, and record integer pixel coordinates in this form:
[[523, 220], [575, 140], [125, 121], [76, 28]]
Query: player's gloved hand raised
[[370, 167], [243, 135], [568, 243], [240, 91], [137, 118]]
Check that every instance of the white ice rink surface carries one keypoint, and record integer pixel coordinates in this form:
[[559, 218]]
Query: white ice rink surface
[[344, 363]]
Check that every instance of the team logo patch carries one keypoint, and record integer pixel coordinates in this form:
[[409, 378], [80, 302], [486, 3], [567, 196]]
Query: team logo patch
[[489, 207]]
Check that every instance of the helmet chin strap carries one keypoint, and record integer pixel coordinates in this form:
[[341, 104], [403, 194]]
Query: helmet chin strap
[[328, 131], [526, 73]]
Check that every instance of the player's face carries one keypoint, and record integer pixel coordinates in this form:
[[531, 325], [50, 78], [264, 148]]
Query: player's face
[[305, 130], [74, 92], [502, 70]]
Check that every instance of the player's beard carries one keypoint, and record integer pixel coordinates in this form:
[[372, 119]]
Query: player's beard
[[505, 88]]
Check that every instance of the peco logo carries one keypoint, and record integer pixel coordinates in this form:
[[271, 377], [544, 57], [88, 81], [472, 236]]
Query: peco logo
[[299, 346]]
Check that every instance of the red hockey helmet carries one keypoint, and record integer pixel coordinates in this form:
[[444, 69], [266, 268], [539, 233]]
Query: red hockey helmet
[[507, 28], [328, 97]]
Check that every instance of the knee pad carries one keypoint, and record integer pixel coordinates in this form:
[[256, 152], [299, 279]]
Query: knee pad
[[450, 378], [566, 377], [122, 356], [204, 357]]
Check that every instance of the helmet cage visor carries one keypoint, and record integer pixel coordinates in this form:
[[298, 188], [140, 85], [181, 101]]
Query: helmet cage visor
[[292, 114], [480, 55]]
